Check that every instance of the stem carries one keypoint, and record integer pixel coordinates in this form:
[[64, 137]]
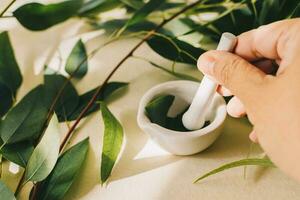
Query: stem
[[7, 7], [20, 184], [99, 90]]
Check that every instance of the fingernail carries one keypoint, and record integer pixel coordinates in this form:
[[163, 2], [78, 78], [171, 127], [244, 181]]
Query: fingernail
[[206, 64]]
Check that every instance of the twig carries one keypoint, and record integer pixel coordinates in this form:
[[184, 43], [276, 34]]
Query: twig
[[99, 90], [20, 184], [7, 7]]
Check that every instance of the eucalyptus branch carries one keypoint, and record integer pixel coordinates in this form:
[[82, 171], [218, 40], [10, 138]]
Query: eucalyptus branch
[[99, 90], [7, 7], [20, 184]]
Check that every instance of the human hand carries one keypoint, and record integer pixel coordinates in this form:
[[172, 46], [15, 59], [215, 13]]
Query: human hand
[[272, 103]]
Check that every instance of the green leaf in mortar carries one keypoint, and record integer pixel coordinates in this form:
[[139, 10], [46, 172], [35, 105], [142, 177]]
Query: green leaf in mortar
[[45, 155], [112, 142], [57, 184], [37, 16], [5, 192], [249, 161], [158, 108], [77, 64]]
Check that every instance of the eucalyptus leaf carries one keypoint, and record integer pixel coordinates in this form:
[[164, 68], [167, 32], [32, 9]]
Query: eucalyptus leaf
[[18, 153], [45, 155], [10, 75], [175, 74], [37, 16], [296, 12], [94, 7], [269, 11], [68, 99], [112, 142], [57, 184], [5, 192], [135, 4], [77, 62], [265, 162], [158, 108], [112, 25], [108, 90], [141, 14], [174, 49], [26, 120], [6, 99]]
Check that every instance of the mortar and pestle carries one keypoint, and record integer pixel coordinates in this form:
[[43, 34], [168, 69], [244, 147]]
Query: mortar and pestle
[[205, 105]]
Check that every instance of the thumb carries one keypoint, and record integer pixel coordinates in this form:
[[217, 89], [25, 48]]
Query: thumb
[[236, 74]]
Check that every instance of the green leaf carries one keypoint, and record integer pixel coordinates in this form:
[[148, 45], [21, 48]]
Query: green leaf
[[296, 12], [26, 120], [84, 99], [112, 142], [269, 11], [57, 184], [142, 13], [36, 16], [112, 25], [158, 108], [174, 49], [18, 153], [45, 155], [135, 4], [10, 75], [176, 74], [6, 99], [5, 192], [250, 161], [94, 7], [77, 63], [68, 100]]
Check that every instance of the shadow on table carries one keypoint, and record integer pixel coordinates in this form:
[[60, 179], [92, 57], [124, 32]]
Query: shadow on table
[[231, 144], [129, 165]]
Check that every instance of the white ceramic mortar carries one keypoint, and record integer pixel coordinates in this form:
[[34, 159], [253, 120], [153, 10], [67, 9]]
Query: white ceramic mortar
[[176, 142]]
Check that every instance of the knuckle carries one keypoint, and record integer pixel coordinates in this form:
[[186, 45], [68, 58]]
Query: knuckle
[[227, 70]]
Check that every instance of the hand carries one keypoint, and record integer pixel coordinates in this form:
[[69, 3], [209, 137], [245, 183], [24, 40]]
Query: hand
[[272, 102]]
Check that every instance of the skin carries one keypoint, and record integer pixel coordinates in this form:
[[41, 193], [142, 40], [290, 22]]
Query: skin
[[263, 74]]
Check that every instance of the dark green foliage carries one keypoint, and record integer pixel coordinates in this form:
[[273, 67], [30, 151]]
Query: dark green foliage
[[108, 90], [64, 173], [26, 120], [68, 100], [10, 76], [36, 16]]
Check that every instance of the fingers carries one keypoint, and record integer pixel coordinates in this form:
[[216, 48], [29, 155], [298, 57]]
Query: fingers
[[233, 72], [267, 66], [267, 41], [235, 108], [253, 137]]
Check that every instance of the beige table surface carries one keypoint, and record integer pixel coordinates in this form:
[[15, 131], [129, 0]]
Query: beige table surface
[[144, 172]]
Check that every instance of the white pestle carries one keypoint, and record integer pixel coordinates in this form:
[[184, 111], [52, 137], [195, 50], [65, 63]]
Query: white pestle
[[195, 116]]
